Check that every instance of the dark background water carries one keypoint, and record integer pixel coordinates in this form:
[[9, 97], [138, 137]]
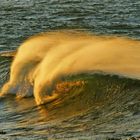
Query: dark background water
[[20, 19]]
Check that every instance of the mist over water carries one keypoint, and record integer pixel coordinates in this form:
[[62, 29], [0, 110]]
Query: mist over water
[[87, 75]]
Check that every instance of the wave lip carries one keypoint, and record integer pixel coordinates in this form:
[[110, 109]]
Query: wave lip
[[43, 60]]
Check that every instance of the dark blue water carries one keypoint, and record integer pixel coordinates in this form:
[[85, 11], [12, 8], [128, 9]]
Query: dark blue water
[[113, 113]]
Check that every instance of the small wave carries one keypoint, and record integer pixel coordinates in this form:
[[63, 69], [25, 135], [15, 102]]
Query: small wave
[[8, 53]]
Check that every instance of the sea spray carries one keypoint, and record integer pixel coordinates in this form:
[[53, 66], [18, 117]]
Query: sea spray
[[44, 59]]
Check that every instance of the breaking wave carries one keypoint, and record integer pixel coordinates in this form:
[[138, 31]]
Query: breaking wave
[[51, 65]]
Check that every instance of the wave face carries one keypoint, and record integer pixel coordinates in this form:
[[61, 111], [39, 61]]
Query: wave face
[[45, 60]]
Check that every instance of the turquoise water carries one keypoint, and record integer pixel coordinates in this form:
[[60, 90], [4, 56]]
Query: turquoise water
[[106, 106]]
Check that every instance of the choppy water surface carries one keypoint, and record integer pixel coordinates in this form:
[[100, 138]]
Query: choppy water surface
[[106, 106]]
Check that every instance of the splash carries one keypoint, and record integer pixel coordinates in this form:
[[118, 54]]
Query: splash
[[43, 60]]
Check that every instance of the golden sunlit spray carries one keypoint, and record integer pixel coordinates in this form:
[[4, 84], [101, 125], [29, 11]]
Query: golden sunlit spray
[[47, 57]]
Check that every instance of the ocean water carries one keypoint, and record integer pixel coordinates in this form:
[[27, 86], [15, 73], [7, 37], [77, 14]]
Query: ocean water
[[91, 105]]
